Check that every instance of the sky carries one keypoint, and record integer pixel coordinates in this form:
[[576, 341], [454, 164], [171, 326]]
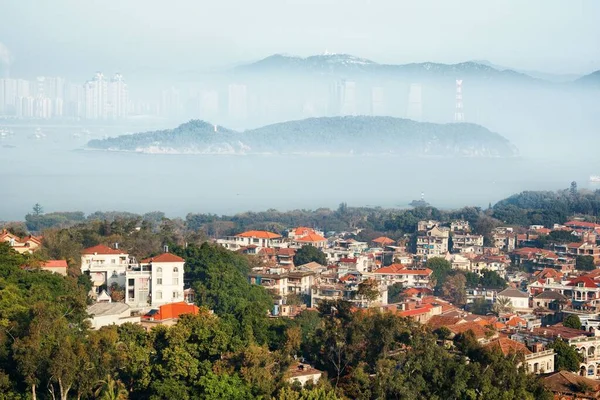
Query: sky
[[73, 38]]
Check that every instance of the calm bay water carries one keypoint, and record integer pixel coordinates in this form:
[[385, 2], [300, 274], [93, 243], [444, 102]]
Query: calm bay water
[[55, 172]]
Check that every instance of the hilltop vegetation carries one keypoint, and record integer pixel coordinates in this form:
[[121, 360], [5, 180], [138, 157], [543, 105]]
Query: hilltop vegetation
[[331, 135]]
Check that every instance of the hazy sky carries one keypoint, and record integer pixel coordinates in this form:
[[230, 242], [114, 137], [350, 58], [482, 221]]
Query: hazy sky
[[75, 37]]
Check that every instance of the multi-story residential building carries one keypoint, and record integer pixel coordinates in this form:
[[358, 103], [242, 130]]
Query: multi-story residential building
[[581, 225], [518, 299], [155, 281], [460, 226], [257, 239], [96, 97], [27, 244], [409, 277], [504, 239], [310, 239], [105, 266], [540, 361], [588, 344], [539, 259], [578, 249], [461, 241], [433, 243], [423, 226], [302, 231]]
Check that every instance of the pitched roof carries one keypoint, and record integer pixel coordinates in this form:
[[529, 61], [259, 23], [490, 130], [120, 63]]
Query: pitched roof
[[164, 258], [54, 264], [102, 249], [550, 295], [564, 383], [437, 321], [259, 235], [582, 224], [508, 346], [474, 327], [417, 311], [286, 252], [383, 240], [513, 293], [402, 270], [586, 280], [267, 251], [312, 238]]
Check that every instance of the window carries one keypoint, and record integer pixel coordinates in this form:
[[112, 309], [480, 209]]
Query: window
[[113, 261], [175, 276], [175, 295], [159, 295], [159, 281]]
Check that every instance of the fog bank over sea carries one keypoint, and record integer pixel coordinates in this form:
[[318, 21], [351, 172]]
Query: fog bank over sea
[[48, 166]]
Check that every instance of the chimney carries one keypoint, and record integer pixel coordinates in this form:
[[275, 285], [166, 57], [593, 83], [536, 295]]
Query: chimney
[[166, 248], [116, 246]]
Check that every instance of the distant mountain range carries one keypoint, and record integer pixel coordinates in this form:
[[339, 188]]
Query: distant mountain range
[[345, 64], [358, 135], [351, 65], [592, 79]]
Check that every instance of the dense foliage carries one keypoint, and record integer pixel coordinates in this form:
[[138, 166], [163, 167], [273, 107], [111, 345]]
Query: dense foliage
[[307, 254]]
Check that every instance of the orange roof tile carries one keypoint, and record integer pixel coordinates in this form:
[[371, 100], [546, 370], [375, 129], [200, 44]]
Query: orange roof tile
[[164, 258], [259, 235], [383, 240], [102, 249], [508, 346], [312, 238], [54, 264]]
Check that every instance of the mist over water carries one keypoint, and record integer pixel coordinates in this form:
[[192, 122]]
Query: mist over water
[[55, 172]]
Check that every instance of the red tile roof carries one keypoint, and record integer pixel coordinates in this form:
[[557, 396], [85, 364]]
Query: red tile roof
[[586, 280], [259, 235], [302, 230], [348, 260], [164, 258], [286, 252], [54, 264], [582, 224], [417, 311], [312, 238], [102, 249], [399, 269], [384, 240], [508, 346]]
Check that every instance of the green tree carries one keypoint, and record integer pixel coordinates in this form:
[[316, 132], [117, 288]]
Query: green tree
[[307, 254], [585, 263], [38, 209], [572, 321], [111, 389], [502, 305], [395, 293], [567, 356], [455, 289], [441, 269]]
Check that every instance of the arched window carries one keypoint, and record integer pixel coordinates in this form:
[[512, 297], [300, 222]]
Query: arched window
[[591, 370]]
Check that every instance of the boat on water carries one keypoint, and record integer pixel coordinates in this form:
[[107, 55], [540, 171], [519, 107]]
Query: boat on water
[[595, 178], [38, 134]]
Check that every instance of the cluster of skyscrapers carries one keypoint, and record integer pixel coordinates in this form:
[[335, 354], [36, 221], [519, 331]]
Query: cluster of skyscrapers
[[236, 104], [54, 97]]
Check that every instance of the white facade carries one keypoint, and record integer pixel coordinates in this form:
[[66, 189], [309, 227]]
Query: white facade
[[105, 265], [155, 282]]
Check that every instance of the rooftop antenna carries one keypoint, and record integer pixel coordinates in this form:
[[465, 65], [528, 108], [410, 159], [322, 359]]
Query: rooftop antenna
[[459, 114]]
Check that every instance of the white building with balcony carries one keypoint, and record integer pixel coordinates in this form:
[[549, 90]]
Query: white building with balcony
[[155, 281], [257, 239], [104, 265]]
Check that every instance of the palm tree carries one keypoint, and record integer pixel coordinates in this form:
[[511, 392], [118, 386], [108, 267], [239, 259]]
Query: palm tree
[[503, 305], [110, 389]]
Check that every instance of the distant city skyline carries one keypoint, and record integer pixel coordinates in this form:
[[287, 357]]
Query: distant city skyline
[[545, 35]]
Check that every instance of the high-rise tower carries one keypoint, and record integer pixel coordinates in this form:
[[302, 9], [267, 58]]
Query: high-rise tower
[[459, 114]]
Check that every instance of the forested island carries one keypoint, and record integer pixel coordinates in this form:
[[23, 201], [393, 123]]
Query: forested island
[[359, 135]]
